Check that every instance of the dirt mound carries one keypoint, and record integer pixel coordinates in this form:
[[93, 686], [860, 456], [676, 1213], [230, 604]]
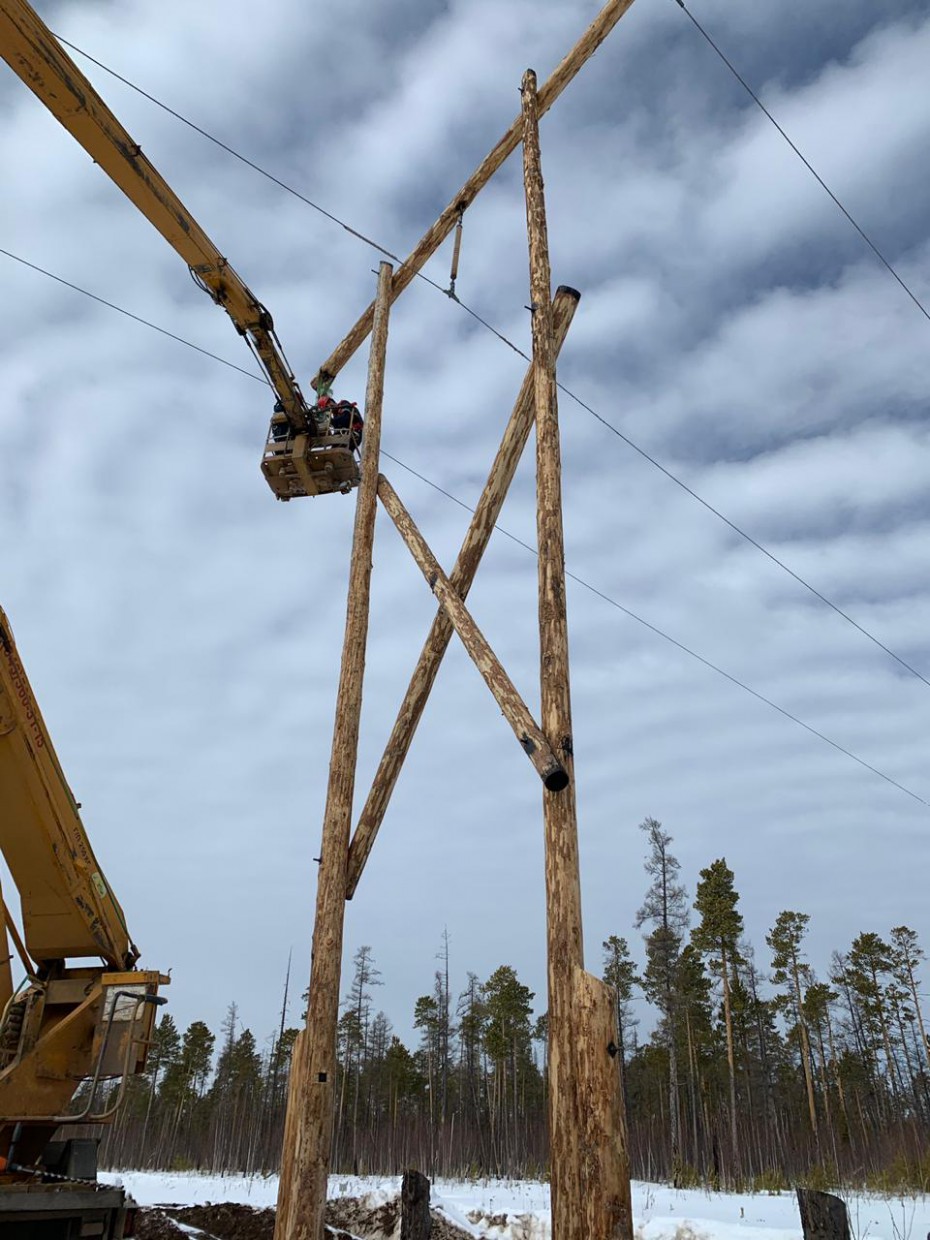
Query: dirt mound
[[347, 1218], [369, 1222], [156, 1225], [361, 1218], [228, 1221]]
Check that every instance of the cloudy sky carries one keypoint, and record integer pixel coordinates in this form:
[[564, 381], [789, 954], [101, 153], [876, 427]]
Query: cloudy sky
[[182, 630]]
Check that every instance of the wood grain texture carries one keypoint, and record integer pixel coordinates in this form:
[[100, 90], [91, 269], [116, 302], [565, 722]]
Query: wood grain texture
[[585, 1179], [461, 578], [513, 708], [309, 1123]]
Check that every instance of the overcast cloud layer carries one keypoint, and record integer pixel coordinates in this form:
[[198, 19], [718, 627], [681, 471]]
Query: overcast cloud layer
[[182, 630]]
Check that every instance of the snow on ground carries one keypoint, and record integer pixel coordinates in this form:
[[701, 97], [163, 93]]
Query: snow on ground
[[519, 1209]]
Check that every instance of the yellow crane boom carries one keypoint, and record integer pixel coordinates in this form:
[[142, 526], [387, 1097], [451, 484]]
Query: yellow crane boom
[[68, 908], [33, 52], [83, 1010], [299, 459]]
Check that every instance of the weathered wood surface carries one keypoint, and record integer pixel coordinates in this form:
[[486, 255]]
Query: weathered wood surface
[[823, 1216], [461, 578], [602, 1139], [293, 1127], [587, 1190], [514, 709], [586, 46], [306, 1154], [415, 1219]]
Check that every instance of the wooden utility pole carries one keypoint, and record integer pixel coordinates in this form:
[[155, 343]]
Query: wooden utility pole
[[590, 1170], [309, 1124], [480, 528], [589, 1166], [583, 50]]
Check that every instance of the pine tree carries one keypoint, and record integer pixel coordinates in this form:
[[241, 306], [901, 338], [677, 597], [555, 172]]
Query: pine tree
[[445, 1031], [790, 971], [620, 973], [164, 1051], [868, 965], [508, 1041], [358, 1003], [183, 1085], [426, 1018], [716, 937], [694, 1005], [665, 908], [471, 1015], [907, 957]]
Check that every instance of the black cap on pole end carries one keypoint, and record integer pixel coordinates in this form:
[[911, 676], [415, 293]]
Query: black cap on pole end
[[568, 291], [556, 780]]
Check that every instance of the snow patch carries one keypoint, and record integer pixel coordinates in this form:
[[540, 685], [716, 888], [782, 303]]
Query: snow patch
[[520, 1209]]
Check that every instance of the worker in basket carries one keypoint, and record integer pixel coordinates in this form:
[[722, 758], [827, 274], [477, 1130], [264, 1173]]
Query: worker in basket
[[326, 415], [346, 417]]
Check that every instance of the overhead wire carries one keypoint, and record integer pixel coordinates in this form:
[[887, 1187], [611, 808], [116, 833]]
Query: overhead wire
[[610, 426], [129, 314], [653, 628], [714, 667], [805, 161]]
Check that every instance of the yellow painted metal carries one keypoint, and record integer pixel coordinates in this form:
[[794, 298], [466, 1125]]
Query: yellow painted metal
[[68, 909], [36, 56], [70, 1034], [6, 973]]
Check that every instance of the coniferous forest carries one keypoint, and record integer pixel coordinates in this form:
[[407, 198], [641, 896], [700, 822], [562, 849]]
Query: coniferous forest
[[755, 1072]]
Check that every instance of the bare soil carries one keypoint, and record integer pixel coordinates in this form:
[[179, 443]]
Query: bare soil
[[347, 1218], [156, 1225]]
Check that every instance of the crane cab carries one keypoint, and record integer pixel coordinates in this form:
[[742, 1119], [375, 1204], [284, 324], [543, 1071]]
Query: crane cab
[[305, 463]]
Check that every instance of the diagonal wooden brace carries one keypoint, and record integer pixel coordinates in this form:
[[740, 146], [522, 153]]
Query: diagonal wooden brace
[[515, 710], [462, 576], [583, 50]]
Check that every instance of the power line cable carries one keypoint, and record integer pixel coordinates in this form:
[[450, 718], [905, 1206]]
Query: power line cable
[[289, 189], [737, 529], [805, 161], [520, 542], [674, 641], [129, 314]]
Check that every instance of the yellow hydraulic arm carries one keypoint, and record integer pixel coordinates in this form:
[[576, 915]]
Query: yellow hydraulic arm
[[33, 52], [84, 1010], [67, 905]]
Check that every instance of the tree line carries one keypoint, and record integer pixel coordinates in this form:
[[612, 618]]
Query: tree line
[[756, 1072]]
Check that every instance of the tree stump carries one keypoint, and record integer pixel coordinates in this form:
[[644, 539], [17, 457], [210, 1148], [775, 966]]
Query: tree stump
[[415, 1219], [823, 1216]]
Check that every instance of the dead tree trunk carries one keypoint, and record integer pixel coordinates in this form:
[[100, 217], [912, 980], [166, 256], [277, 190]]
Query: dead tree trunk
[[415, 1218], [823, 1216]]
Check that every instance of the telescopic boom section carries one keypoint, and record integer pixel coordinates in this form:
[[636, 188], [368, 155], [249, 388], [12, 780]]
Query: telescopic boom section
[[33, 52], [68, 907]]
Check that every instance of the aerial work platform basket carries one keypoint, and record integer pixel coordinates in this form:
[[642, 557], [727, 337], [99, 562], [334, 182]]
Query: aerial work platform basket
[[304, 464]]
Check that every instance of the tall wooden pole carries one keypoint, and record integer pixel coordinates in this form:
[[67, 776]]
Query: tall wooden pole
[[583, 50], [589, 1175], [480, 528], [309, 1124]]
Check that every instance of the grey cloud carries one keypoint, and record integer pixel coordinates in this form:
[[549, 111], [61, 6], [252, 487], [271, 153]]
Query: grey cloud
[[183, 631]]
